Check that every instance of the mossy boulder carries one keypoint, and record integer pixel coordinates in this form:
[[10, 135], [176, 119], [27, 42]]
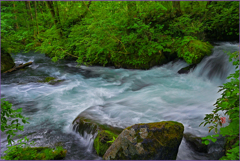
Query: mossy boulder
[[195, 143], [150, 141], [6, 61], [193, 51], [87, 122]]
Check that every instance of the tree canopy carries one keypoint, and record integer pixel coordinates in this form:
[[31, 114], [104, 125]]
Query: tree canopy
[[120, 33]]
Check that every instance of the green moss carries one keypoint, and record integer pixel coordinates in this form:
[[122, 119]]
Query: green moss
[[166, 134], [7, 61], [23, 69], [47, 79], [101, 142], [194, 51], [35, 153]]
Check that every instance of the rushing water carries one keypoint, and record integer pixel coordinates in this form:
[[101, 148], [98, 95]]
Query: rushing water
[[120, 97]]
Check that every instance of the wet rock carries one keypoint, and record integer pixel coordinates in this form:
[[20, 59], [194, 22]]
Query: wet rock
[[151, 141], [195, 143], [6, 61], [88, 123], [187, 69], [51, 80]]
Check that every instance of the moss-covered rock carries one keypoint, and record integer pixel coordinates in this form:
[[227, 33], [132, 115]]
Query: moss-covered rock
[[103, 141], [151, 141], [195, 143], [131, 61], [193, 51], [6, 61], [51, 80], [87, 122]]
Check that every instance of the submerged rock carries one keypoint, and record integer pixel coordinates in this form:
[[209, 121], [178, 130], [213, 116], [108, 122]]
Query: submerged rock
[[86, 122], [51, 80], [6, 61], [187, 69], [195, 143], [151, 141]]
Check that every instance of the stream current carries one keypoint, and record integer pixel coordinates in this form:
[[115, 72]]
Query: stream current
[[120, 97]]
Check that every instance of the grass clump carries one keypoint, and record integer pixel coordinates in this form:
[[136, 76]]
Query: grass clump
[[34, 153]]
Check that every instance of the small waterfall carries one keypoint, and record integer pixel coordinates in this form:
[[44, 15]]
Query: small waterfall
[[114, 97], [217, 67]]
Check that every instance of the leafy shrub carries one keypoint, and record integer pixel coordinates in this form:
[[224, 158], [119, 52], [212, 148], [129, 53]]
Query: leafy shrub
[[229, 104], [34, 153], [22, 150]]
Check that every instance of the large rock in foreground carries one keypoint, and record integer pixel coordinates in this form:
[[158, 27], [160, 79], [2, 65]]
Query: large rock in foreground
[[88, 123], [6, 61], [151, 141]]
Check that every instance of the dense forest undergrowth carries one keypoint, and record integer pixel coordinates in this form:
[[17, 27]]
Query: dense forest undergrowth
[[135, 35], [123, 34]]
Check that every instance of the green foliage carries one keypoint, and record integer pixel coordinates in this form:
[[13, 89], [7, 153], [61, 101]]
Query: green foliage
[[47, 79], [112, 140], [232, 154], [229, 104], [22, 150], [35, 153], [125, 34], [103, 141], [222, 17], [9, 115]]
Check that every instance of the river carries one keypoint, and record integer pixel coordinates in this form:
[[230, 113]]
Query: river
[[121, 97]]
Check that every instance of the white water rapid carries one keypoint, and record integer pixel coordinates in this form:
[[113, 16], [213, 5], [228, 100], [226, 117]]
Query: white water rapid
[[120, 97]]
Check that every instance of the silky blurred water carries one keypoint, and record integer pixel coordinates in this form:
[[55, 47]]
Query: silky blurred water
[[120, 97]]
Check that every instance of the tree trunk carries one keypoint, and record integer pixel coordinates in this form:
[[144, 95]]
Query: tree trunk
[[19, 67], [15, 12], [176, 7], [208, 3], [56, 21], [26, 17], [35, 7], [41, 10], [28, 7], [57, 11], [50, 6]]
